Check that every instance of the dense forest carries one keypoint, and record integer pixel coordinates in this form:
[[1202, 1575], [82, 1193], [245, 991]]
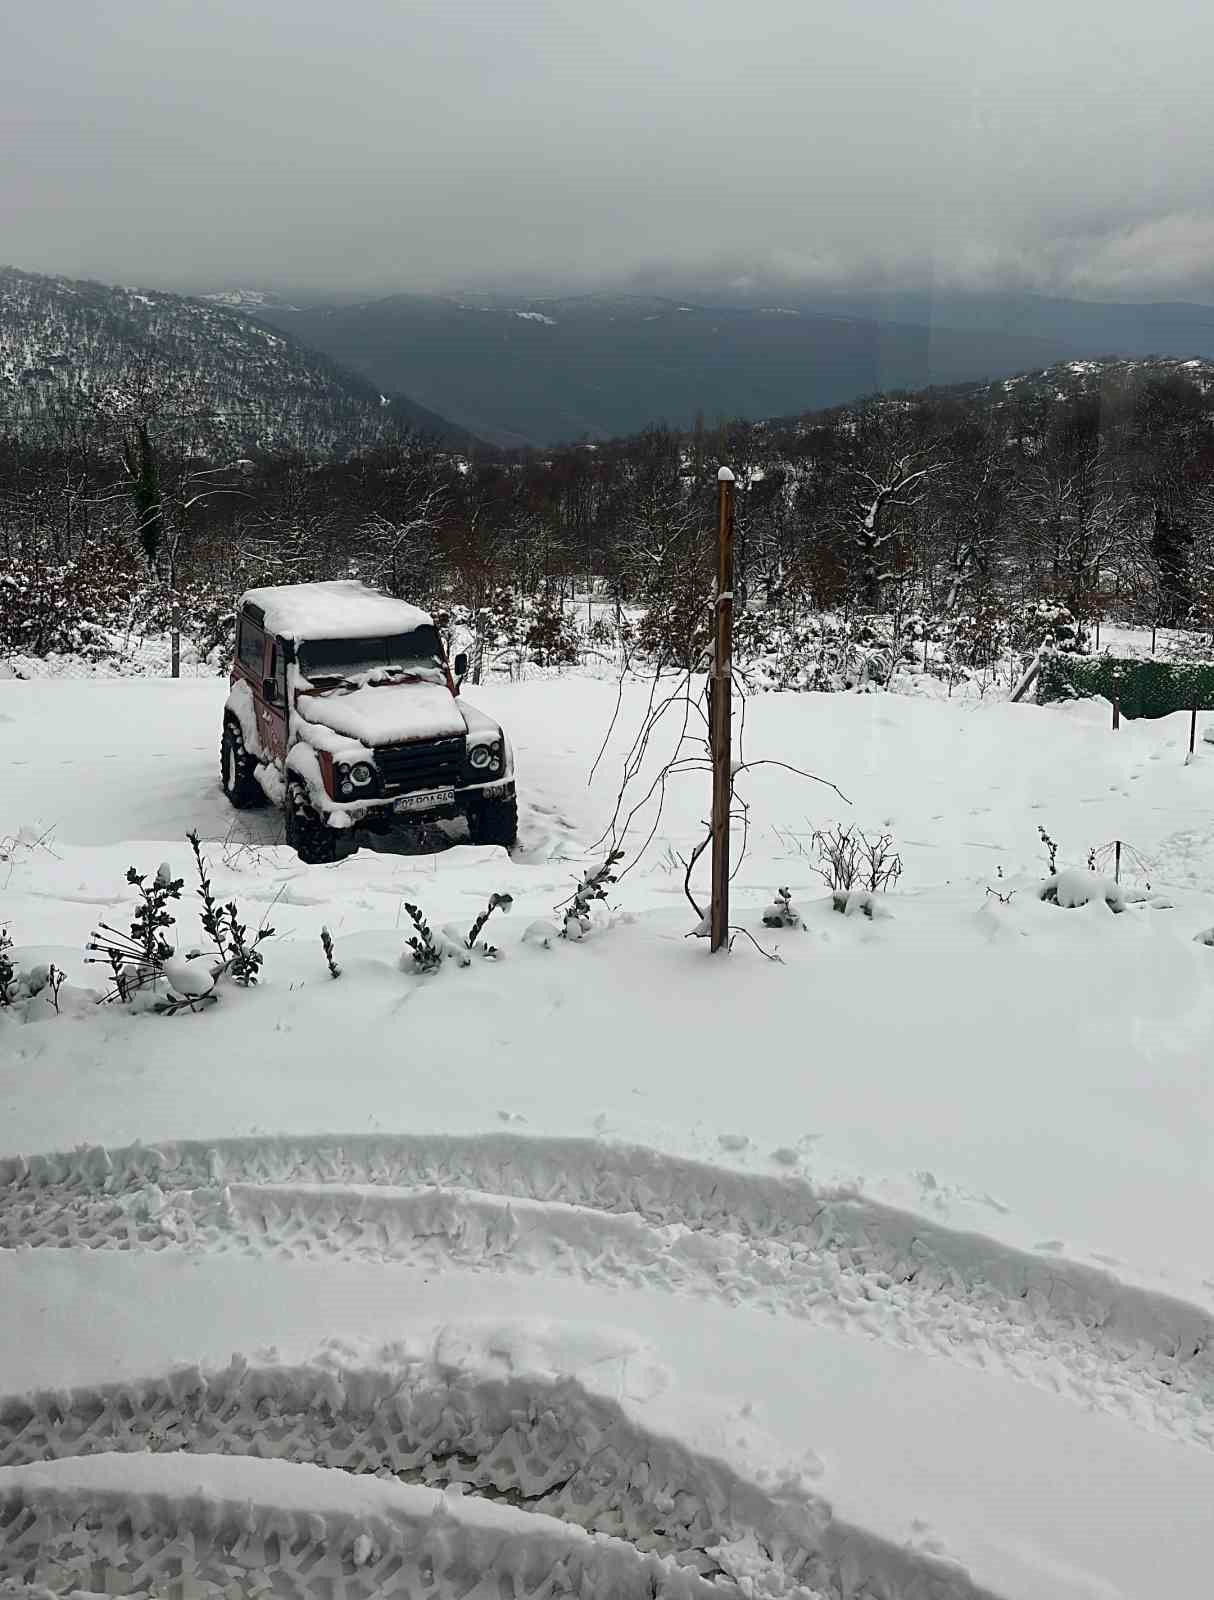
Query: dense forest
[[1087, 490]]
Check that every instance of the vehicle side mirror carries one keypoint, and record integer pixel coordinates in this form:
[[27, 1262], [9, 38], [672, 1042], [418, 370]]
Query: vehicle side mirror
[[269, 691], [460, 665]]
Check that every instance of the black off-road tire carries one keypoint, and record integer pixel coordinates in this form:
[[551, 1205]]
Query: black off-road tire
[[307, 834], [237, 770], [494, 822]]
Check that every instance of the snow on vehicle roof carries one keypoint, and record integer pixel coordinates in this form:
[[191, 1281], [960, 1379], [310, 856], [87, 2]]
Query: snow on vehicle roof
[[343, 609]]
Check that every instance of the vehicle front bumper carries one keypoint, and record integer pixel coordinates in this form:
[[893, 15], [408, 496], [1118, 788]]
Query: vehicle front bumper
[[381, 811]]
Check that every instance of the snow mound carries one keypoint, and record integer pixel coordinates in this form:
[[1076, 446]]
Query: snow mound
[[1075, 886]]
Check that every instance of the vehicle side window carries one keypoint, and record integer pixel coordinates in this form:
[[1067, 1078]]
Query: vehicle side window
[[278, 670], [250, 646]]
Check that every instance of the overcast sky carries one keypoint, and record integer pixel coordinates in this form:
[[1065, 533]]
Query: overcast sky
[[1059, 145]]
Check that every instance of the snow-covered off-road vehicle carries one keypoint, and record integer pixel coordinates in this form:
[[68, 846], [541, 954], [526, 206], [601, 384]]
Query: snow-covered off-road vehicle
[[345, 711]]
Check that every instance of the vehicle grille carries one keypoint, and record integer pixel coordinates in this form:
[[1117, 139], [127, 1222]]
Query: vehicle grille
[[425, 764]]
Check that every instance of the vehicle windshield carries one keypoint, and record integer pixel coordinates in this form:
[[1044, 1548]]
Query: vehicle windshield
[[418, 653]]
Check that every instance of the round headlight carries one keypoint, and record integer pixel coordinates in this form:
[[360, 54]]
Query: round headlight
[[362, 774], [480, 756]]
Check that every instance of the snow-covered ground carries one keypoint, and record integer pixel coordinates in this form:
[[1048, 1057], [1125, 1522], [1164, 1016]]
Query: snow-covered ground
[[882, 1270]]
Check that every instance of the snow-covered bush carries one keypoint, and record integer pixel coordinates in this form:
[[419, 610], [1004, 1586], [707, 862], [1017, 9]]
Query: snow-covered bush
[[20, 986], [1045, 621], [239, 956], [1075, 886], [136, 959], [981, 632], [68, 607], [676, 625], [828, 653], [8, 969], [575, 914], [211, 622], [551, 638], [858, 903], [494, 626], [148, 973], [781, 913], [774, 650], [607, 633], [425, 951]]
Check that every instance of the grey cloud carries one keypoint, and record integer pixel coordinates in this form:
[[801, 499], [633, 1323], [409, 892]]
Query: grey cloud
[[381, 144]]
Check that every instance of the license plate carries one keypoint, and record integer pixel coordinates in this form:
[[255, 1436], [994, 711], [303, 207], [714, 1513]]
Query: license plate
[[430, 801]]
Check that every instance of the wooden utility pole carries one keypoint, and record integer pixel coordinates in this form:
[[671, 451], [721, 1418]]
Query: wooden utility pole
[[720, 713], [174, 614]]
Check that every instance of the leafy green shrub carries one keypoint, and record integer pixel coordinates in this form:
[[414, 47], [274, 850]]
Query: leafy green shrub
[[427, 955]]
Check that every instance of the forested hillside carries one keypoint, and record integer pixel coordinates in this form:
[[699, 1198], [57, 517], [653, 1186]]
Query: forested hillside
[[1081, 492], [70, 348]]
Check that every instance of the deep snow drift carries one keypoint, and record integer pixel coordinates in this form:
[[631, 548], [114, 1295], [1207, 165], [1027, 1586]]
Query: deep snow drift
[[883, 1269]]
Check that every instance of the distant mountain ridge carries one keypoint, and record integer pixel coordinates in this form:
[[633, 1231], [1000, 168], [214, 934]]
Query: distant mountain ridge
[[1090, 328], [274, 369], [544, 371], [69, 345]]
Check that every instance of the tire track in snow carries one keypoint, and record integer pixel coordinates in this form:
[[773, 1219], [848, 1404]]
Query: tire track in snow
[[633, 1216], [434, 1227], [489, 1411], [218, 1526], [556, 1450]]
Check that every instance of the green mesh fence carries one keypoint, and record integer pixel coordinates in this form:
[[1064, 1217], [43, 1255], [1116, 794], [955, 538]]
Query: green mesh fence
[[1145, 688]]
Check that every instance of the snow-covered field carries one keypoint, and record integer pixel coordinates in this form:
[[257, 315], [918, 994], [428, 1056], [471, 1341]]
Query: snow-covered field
[[884, 1270]]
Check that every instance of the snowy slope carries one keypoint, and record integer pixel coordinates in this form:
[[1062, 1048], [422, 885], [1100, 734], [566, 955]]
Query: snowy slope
[[883, 1270]]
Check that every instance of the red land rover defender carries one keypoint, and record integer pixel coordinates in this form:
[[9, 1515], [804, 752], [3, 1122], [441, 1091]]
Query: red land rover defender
[[343, 710]]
